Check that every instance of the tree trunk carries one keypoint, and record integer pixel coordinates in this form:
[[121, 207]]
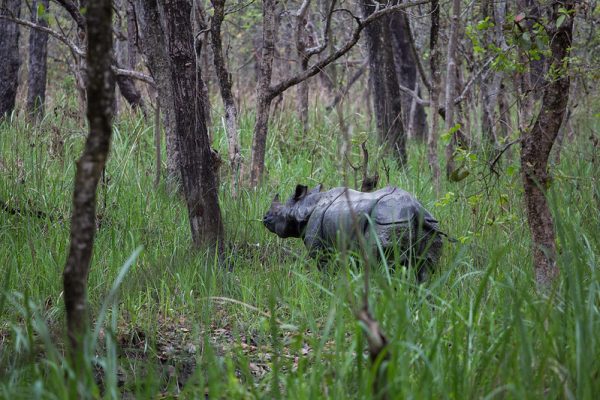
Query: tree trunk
[[451, 88], [225, 85], [100, 96], [263, 94], [9, 56], [384, 82], [153, 45], [406, 67], [132, 36], [487, 89], [434, 62], [196, 159], [38, 54], [537, 145], [304, 40]]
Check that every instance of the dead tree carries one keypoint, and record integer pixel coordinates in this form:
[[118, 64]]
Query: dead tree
[[196, 158], [225, 87], [38, 55], [537, 143], [9, 56], [100, 95]]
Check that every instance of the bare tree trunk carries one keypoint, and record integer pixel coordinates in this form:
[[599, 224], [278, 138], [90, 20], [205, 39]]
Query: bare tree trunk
[[225, 87], [537, 145], [304, 40], [406, 67], [384, 82], [434, 61], [100, 96], [153, 44], [9, 56], [263, 94], [132, 36], [196, 159], [38, 54], [487, 89], [451, 88]]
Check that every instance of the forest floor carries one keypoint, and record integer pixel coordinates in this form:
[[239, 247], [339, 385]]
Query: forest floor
[[275, 326]]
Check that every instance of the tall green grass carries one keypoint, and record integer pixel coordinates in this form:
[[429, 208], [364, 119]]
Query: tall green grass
[[276, 326]]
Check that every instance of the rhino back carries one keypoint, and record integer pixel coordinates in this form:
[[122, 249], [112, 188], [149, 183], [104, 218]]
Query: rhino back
[[400, 207]]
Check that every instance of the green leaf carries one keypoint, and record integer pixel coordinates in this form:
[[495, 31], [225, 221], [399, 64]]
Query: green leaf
[[560, 20]]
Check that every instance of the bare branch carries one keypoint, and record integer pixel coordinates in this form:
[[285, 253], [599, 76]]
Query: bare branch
[[277, 89], [133, 74], [76, 50], [73, 10], [472, 80], [325, 40], [414, 94]]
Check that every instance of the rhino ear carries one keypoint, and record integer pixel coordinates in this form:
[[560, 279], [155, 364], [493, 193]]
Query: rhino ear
[[316, 189], [275, 199], [300, 192]]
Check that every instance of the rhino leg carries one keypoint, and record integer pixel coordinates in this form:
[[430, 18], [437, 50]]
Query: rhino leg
[[409, 245]]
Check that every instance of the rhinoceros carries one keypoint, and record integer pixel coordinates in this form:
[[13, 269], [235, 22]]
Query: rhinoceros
[[392, 217]]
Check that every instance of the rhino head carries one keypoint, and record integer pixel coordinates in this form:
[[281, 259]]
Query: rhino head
[[290, 219]]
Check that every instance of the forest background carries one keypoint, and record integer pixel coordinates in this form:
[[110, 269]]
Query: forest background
[[144, 270]]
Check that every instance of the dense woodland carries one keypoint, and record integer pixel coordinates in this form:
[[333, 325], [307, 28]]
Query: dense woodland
[[142, 143]]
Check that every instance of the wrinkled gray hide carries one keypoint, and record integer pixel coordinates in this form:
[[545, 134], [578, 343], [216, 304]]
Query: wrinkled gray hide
[[324, 221]]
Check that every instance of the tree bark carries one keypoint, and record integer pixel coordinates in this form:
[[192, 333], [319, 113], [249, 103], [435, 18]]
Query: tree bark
[[406, 67], [100, 95], [196, 159], [487, 89], [537, 145], [153, 45], [434, 61], [263, 94], [384, 82], [9, 54], [451, 88], [304, 40], [132, 36], [225, 87], [38, 54]]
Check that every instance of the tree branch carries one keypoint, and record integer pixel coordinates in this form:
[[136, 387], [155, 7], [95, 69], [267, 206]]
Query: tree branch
[[73, 11], [279, 88], [77, 51], [49, 31], [325, 40]]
